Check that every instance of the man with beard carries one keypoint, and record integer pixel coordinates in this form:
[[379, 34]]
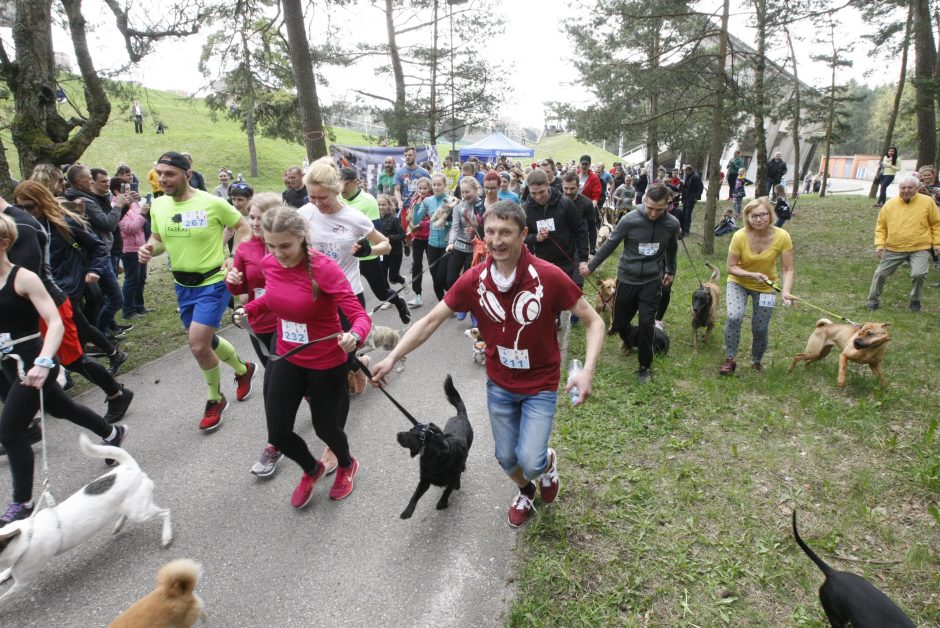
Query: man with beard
[[569, 187], [406, 179]]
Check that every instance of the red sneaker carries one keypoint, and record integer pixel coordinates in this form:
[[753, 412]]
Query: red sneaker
[[212, 417], [243, 382], [343, 484], [549, 484], [304, 490], [521, 508]]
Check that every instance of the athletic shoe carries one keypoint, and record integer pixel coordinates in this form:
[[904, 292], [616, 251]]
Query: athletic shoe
[[521, 507], [549, 484], [267, 464], [92, 351], [757, 367], [358, 380], [343, 484], [329, 461], [727, 367], [121, 329], [304, 491], [144, 311], [243, 382], [402, 308], [115, 360], [117, 441], [871, 306], [415, 301], [915, 306], [385, 306], [461, 316], [117, 407], [644, 376], [212, 417], [15, 512]]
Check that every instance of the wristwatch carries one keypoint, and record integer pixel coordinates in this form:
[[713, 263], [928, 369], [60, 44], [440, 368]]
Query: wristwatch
[[48, 363], [357, 337]]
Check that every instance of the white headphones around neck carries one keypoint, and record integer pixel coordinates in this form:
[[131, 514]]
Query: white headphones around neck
[[526, 306]]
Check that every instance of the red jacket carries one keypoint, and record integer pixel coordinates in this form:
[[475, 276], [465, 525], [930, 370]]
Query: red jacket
[[592, 188]]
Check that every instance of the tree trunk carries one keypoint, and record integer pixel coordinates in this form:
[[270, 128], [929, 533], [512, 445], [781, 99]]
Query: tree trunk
[[898, 92], [760, 131], [39, 133], [249, 105], [399, 125], [795, 122], [432, 127], [832, 108], [925, 59], [717, 143], [311, 120], [652, 131], [6, 180]]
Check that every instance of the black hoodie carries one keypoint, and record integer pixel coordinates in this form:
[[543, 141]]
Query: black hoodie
[[567, 244]]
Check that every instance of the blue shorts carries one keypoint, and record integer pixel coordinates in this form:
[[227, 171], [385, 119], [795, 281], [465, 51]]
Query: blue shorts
[[205, 304]]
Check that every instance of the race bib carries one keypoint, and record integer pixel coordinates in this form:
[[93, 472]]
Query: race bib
[[330, 249], [514, 358], [259, 292], [648, 248], [6, 343], [767, 299], [294, 332], [548, 223], [194, 220]]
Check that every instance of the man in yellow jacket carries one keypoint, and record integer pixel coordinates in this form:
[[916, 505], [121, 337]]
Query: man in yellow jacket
[[908, 228]]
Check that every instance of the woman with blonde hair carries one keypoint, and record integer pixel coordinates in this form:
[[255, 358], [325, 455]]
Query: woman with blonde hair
[[752, 272], [307, 293]]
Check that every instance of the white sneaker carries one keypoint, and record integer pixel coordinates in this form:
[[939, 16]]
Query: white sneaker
[[385, 306], [415, 301]]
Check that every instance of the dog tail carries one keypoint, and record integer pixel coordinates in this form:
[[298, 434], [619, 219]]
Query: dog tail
[[822, 322], [179, 577], [105, 451], [826, 569], [716, 274], [454, 397]]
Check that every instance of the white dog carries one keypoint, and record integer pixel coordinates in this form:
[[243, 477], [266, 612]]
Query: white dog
[[27, 545]]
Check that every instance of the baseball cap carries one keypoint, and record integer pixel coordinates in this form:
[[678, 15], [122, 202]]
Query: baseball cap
[[585, 158]]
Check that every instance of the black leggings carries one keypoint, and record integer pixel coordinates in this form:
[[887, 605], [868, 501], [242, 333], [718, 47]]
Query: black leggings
[[439, 272], [375, 275], [458, 263], [265, 339], [20, 404], [418, 248], [94, 372], [86, 331], [285, 385], [392, 265]]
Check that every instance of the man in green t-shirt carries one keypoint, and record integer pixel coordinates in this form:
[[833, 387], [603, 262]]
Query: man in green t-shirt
[[188, 224], [735, 165], [451, 173]]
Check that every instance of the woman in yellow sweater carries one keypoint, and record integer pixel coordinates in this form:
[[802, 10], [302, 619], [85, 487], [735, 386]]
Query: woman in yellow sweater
[[752, 266]]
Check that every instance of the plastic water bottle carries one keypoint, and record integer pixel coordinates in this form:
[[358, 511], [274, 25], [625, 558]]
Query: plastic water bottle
[[573, 370]]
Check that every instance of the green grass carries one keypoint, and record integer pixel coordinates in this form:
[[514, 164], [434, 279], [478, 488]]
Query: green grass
[[676, 496], [565, 147]]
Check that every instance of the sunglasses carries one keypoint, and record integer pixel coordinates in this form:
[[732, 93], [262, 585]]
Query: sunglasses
[[240, 186]]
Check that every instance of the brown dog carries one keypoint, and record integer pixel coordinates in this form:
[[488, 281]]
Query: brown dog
[[705, 306], [604, 302], [173, 603], [865, 345]]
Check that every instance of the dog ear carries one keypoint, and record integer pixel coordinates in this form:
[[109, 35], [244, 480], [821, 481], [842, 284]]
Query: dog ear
[[7, 537]]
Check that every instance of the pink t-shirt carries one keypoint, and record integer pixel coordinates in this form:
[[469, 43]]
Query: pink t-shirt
[[248, 262], [301, 318], [518, 326]]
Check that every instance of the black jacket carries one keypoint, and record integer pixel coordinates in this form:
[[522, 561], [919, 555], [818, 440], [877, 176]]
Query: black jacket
[[693, 187], [102, 217], [567, 245], [74, 255], [776, 170], [29, 250], [390, 227]]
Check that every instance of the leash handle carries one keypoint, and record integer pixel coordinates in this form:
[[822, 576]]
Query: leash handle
[[400, 407]]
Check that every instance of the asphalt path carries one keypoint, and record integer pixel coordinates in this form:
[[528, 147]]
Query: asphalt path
[[353, 562]]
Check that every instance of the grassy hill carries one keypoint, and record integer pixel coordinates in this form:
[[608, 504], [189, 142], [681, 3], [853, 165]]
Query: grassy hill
[[565, 147]]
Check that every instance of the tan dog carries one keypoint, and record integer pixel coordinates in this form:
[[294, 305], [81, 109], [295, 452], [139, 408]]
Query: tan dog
[[705, 306], [172, 604], [604, 302], [603, 232], [865, 345], [479, 345]]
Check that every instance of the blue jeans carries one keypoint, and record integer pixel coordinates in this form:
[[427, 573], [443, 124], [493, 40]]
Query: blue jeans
[[135, 276], [886, 180], [113, 301], [522, 425]]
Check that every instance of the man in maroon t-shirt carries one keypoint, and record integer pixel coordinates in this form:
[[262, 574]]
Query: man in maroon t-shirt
[[515, 298]]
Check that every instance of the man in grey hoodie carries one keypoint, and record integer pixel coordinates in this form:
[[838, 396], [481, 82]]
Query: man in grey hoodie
[[650, 237]]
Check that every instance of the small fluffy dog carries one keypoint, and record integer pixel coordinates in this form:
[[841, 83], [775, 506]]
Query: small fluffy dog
[[604, 301], [865, 345], [850, 600], [381, 337], [26, 546], [443, 213], [603, 232], [479, 345], [443, 453], [172, 604], [705, 306]]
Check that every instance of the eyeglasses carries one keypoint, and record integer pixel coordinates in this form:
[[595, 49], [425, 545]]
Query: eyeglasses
[[490, 188], [761, 216]]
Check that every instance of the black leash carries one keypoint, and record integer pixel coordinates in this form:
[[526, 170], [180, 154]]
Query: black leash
[[591, 280], [400, 407], [264, 349], [689, 255], [407, 283]]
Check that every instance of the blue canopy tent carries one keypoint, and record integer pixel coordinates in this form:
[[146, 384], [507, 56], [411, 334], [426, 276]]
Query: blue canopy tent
[[494, 145]]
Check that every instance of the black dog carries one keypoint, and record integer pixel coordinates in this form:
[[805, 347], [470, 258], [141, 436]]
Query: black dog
[[850, 600], [660, 340], [443, 454]]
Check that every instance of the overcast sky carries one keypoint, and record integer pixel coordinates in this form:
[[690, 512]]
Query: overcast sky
[[533, 53]]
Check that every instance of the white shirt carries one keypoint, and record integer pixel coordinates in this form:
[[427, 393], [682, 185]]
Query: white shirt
[[334, 235]]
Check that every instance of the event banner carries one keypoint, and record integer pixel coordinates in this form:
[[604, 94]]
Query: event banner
[[368, 160]]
